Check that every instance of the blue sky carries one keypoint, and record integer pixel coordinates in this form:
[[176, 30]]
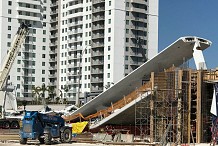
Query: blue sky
[[179, 18]]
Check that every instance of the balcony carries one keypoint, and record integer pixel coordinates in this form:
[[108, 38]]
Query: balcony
[[52, 83], [99, 9], [54, 20], [52, 75], [52, 59], [53, 52], [53, 36], [96, 89], [97, 62], [94, 2], [135, 63], [52, 68], [75, 40], [73, 65], [53, 28], [95, 45], [76, 31], [98, 18], [72, 74], [139, 10], [96, 36], [33, 2], [75, 48], [53, 44], [54, 4], [75, 23], [54, 12], [97, 27], [97, 54], [97, 71]]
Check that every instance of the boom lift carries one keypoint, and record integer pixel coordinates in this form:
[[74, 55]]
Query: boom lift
[[19, 38]]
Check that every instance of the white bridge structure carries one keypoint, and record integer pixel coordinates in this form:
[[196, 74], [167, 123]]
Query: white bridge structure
[[176, 55]]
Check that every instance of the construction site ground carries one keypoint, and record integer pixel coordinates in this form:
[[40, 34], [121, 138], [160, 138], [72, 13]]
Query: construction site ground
[[16, 143]]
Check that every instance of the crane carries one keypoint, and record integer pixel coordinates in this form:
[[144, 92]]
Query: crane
[[19, 38]]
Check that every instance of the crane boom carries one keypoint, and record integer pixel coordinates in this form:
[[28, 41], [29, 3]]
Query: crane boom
[[20, 36], [12, 53]]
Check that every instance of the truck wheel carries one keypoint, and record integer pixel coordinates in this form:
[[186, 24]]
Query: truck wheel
[[15, 125], [47, 138], [23, 140], [66, 136], [41, 140], [6, 124]]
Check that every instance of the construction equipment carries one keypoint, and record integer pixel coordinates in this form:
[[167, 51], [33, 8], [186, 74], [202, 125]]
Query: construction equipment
[[44, 127], [19, 38]]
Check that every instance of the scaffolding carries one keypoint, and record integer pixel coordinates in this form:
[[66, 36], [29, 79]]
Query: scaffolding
[[176, 110]]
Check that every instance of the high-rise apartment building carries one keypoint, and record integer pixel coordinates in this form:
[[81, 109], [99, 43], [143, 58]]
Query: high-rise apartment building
[[101, 41], [30, 67], [78, 46]]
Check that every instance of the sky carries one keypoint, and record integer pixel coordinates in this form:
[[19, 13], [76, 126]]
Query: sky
[[178, 18]]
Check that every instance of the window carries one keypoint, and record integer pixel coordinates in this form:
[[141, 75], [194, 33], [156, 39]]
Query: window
[[9, 3], [109, 3], [127, 13], [126, 57], [127, 4], [127, 22], [109, 12], [108, 66], [44, 31], [109, 48], [9, 11], [43, 55], [43, 71], [126, 66], [18, 86], [9, 27], [43, 79], [18, 61], [109, 21], [18, 78], [43, 47], [108, 75], [109, 57], [18, 69], [109, 30], [44, 39], [109, 39], [127, 31], [9, 36], [127, 49], [43, 63], [34, 39], [9, 19], [34, 31], [9, 44]]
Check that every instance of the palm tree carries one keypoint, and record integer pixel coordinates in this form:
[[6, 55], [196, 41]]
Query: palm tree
[[66, 89], [41, 89], [51, 91], [36, 92]]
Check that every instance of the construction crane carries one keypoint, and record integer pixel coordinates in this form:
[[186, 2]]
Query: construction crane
[[19, 38]]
